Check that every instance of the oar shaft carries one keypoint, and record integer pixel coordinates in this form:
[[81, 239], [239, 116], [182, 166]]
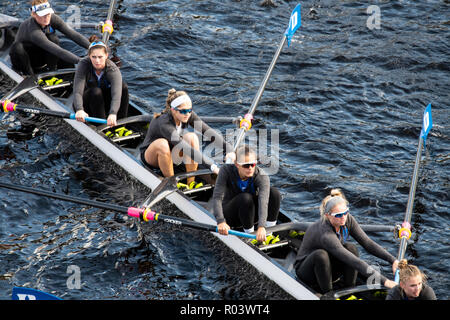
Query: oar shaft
[[414, 179], [405, 231], [27, 109], [402, 249], [112, 4], [258, 95], [200, 226], [401, 254], [148, 215], [131, 211], [108, 28], [267, 76], [63, 197], [58, 114], [302, 226], [220, 119]]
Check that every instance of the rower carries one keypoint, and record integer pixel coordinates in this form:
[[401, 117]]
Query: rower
[[412, 284], [167, 139], [243, 196], [326, 254], [36, 45], [98, 86]]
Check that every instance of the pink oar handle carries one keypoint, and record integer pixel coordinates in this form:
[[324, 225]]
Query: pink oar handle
[[8, 105], [141, 213]]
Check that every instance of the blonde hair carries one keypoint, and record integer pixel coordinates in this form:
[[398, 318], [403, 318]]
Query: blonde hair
[[38, 2], [408, 271], [333, 194], [171, 95], [244, 151]]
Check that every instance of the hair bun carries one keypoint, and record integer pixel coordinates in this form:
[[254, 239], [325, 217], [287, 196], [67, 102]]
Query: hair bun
[[403, 264], [336, 192], [93, 38]]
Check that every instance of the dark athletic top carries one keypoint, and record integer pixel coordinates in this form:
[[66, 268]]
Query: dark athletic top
[[397, 293], [164, 127], [30, 31], [227, 187], [85, 77], [322, 235]]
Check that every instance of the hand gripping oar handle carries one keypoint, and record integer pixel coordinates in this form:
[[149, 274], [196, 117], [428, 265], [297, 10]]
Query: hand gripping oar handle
[[8, 106], [145, 214]]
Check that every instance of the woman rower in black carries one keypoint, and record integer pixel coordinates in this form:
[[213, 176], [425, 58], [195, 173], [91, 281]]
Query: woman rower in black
[[98, 86], [325, 252], [412, 284], [36, 45], [167, 138], [243, 196]]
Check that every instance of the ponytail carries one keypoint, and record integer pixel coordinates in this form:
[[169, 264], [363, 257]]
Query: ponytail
[[171, 95], [408, 271]]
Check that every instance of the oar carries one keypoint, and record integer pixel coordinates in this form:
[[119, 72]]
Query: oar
[[107, 27], [142, 213], [26, 85], [220, 119], [8, 106], [405, 231], [246, 122], [302, 226], [149, 215]]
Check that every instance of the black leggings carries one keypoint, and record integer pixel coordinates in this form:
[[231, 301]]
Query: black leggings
[[320, 268], [30, 59], [241, 211], [97, 101]]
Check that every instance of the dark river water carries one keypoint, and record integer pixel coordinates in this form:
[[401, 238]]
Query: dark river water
[[345, 102]]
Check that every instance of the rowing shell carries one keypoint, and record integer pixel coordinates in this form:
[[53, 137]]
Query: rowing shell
[[128, 159]]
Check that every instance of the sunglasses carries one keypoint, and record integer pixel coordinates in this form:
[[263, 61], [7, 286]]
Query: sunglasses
[[247, 165], [184, 111], [340, 214]]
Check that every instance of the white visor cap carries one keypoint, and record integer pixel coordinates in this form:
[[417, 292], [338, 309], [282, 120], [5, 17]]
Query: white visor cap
[[42, 9]]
